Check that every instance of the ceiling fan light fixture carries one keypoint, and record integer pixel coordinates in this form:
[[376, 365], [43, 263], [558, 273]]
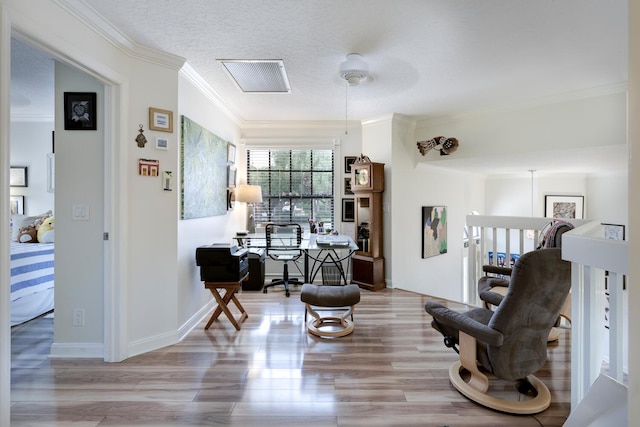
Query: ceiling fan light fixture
[[354, 70]]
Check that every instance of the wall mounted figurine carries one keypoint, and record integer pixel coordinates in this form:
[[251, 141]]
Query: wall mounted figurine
[[141, 139], [444, 144]]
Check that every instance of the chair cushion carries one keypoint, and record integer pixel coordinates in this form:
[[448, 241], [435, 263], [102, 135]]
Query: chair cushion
[[330, 296]]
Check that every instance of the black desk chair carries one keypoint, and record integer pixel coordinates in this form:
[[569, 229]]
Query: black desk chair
[[283, 244]]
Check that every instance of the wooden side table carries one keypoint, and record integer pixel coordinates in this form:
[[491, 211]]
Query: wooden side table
[[223, 301]]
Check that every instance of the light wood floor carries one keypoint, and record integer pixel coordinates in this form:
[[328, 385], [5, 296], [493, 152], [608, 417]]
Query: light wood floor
[[392, 371]]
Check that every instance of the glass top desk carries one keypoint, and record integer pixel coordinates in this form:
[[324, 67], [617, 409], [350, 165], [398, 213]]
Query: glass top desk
[[319, 250]]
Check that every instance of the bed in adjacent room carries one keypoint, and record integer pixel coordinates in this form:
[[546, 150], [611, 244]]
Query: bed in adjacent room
[[32, 279]]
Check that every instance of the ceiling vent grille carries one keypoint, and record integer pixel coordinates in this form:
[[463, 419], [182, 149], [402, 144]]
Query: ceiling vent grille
[[258, 76]]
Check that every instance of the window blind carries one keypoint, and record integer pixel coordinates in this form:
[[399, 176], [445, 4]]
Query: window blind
[[297, 185]]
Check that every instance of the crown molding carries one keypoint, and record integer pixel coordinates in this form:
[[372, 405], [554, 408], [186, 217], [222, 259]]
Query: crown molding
[[189, 73], [89, 17]]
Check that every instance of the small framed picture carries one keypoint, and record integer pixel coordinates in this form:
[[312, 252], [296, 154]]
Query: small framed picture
[[347, 187], [231, 176], [18, 176], [80, 111], [148, 167], [613, 231], [231, 153], [161, 120], [17, 205], [348, 210], [162, 143], [348, 161]]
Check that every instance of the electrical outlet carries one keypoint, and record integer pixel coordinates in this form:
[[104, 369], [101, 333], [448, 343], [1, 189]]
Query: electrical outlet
[[78, 317]]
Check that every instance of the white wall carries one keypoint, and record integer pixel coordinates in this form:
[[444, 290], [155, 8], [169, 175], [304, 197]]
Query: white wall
[[439, 276], [192, 297], [152, 236], [585, 123], [79, 272], [30, 144], [634, 213]]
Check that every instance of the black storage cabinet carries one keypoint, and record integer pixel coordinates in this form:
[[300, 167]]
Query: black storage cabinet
[[255, 282]]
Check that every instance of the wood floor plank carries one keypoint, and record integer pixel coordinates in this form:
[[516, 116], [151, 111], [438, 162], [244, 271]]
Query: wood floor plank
[[391, 371]]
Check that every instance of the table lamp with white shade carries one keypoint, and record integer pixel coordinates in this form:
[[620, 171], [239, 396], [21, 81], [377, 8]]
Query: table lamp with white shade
[[249, 194]]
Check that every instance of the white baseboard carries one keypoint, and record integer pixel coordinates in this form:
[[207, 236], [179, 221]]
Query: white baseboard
[[77, 351]]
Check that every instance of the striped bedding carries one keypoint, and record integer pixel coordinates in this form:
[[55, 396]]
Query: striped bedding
[[32, 277]]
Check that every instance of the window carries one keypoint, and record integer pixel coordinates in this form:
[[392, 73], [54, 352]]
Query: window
[[297, 185]]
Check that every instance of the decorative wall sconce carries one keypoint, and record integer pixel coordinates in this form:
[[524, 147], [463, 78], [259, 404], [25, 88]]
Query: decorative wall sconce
[[444, 144], [141, 139]]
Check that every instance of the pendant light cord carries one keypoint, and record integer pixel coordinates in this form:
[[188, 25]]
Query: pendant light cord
[[346, 101]]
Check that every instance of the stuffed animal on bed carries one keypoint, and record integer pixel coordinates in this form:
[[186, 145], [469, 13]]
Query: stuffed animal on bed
[[46, 232], [28, 234]]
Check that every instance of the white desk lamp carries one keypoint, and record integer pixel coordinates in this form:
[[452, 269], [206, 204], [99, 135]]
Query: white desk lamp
[[249, 194]]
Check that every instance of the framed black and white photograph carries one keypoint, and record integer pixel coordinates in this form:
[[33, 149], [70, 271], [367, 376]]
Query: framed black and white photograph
[[564, 207], [348, 210], [162, 143], [347, 187], [80, 111], [161, 120], [18, 176], [17, 205], [348, 161]]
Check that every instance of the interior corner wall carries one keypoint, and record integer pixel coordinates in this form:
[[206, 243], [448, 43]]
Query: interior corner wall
[[193, 299]]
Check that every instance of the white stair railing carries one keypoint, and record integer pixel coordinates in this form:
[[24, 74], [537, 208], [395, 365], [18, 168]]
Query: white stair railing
[[591, 254], [508, 234]]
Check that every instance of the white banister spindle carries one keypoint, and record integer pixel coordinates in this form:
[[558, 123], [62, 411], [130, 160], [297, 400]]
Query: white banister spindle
[[616, 331]]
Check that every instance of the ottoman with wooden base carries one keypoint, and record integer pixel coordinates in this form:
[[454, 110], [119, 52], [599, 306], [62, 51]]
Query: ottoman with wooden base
[[330, 297]]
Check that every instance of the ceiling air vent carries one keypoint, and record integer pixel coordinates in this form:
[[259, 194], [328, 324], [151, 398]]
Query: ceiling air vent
[[258, 76]]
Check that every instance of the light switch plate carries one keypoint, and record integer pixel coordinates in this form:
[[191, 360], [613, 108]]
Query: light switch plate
[[80, 212]]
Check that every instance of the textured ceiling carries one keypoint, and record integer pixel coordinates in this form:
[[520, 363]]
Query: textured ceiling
[[427, 58]]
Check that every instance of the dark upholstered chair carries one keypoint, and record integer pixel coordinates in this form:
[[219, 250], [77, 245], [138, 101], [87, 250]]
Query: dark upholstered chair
[[283, 244], [330, 298], [509, 343]]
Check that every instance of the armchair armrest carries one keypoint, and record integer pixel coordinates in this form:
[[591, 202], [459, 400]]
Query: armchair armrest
[[494, 269], [464, 324], [492, 298]]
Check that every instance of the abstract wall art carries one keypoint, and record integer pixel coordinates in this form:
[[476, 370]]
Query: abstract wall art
[[203, 167], [434, 231]]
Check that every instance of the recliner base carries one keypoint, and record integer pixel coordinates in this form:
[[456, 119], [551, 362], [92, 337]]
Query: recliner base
[[520, 407]]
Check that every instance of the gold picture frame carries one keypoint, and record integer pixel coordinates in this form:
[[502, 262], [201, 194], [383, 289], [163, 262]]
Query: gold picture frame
[[161, 120]]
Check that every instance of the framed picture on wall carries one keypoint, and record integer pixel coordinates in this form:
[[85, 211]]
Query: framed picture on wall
[[564, 207], [347, 187], [348, 210], [348, 161], [18, 176], [161, 120], [434, 231], [80, 111], [17, 205]]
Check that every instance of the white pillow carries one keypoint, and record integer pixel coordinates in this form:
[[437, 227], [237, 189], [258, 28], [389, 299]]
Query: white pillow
[[19, 221]]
